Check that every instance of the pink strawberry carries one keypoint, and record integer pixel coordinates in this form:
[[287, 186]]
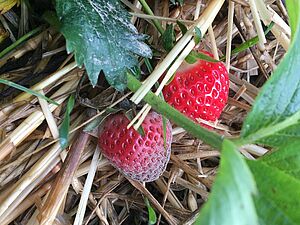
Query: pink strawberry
[[199, 90], [142, 158]]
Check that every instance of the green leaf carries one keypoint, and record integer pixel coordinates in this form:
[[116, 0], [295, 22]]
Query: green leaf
[[194, 56], [29, 91], [65, 126], [278, 201], [52, 19], [231, 200], [294, 15], [276, 111], [20, 41], [168, 38], [151, 213], [250, 43], [286, 158], [198, 35], [182, 27], [100, 34]]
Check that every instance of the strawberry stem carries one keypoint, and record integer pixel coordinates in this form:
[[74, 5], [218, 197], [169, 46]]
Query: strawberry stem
[[171, 113]]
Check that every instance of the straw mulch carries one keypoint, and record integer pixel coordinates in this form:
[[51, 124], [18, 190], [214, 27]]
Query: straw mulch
[[30, 155]]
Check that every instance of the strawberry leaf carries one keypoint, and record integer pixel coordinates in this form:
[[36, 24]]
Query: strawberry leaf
[[102, 38], [275, 116], [231, 200], [286, 158], [278, 199]]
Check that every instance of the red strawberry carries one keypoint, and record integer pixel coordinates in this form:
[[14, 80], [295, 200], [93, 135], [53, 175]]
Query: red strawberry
[[199, 90], [142, 158]]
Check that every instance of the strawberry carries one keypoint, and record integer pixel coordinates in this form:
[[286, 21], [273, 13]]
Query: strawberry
[[199, 90], [142, 158]]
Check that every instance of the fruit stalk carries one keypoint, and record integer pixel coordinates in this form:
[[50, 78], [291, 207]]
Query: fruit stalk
[[166, 110]]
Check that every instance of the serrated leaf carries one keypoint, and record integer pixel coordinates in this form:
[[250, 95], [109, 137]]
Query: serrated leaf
[[276, 111], [100, 34], [168, 38], [231, 200], [65, 126], [278, 201]]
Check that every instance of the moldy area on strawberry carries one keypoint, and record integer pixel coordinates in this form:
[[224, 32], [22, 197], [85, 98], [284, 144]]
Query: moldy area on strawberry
[[142, 158], [199, 90]]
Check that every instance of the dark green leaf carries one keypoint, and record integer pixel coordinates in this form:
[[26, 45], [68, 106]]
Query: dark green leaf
[[198, 35], [65, 126], [101, 36], [182, 27], [168, 38], [278, 201], [148, 65], [151, 213], [52, 19], [231, 200], [29, 91], [276, 111], [194, 56]]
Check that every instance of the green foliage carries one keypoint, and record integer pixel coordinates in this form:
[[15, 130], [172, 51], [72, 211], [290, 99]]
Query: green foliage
[[168, 38], [250, 43], [194, 56], [198, 35], [65, 126], [264, 191], [151, 213], [101, 36], [278, 200], [182, 27], [231, 200], [286, 158], [29, 91], [275, 116], [294, 15]]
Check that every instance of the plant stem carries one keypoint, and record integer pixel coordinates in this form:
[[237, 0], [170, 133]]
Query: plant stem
[[166, 110], [19, 41], [148, 10]]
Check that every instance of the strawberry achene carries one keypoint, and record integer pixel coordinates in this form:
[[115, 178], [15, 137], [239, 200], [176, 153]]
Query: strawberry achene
[[142, 158], [199, 90]]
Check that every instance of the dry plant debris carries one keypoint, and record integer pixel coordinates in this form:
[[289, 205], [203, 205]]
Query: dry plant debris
[[35, 173]]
